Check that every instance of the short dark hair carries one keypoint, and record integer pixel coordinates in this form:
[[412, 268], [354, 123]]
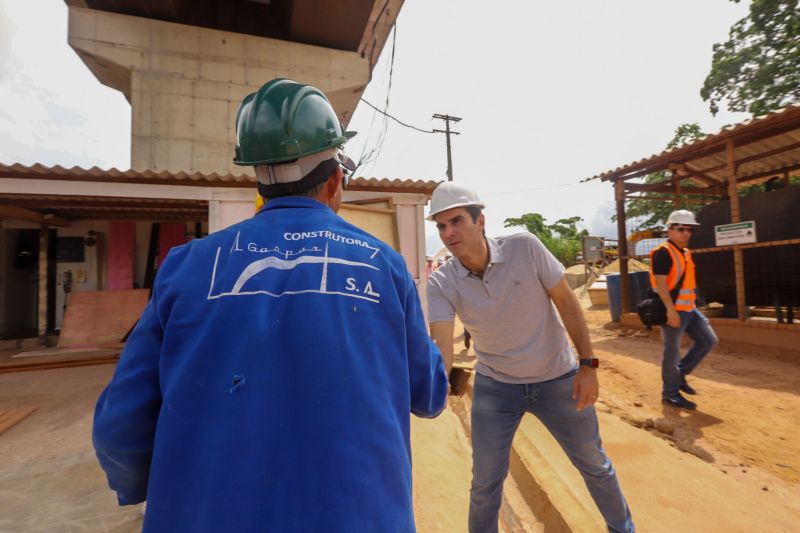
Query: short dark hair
[[474, 212], [311, 192]]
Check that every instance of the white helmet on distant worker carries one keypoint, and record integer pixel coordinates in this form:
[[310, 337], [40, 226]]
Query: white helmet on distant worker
[[449, 195], [681, 216]]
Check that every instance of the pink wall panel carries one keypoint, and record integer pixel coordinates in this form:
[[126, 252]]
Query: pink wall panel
[[121, 246], [170, 235]]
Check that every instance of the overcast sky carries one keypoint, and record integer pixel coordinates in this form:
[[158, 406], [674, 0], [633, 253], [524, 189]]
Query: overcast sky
[[549, 93]]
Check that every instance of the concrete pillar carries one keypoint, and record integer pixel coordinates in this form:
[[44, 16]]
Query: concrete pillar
[[185, 83]]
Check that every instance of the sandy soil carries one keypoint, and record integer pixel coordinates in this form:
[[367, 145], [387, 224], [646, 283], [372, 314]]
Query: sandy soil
[[747, 426], [748, 419], [50, 479]]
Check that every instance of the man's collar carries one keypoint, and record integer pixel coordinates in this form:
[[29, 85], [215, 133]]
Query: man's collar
[[681, 248], [495, 256], [293, 201]]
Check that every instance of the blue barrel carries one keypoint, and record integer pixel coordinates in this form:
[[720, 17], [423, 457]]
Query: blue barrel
[[639, 284]]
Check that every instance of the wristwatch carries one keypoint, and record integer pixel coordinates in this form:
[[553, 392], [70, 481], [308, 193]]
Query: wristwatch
[[593, 362]]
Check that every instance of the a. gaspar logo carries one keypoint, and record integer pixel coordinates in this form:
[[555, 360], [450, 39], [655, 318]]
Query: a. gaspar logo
[[324, 272]]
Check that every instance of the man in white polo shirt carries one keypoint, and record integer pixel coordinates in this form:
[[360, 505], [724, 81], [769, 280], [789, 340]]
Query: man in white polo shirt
[[506, 291]]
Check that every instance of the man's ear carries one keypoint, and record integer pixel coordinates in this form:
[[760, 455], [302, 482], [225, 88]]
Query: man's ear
[[481, 221], [333, 183]]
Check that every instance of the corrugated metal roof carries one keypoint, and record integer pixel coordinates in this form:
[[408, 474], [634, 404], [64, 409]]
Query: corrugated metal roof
[[768, 143], [165, 177]]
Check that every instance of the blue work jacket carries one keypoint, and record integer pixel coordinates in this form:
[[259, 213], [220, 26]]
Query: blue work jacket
[[269, 382]]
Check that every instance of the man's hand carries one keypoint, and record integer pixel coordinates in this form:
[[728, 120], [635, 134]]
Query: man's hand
[[673, 319], [585, 388]]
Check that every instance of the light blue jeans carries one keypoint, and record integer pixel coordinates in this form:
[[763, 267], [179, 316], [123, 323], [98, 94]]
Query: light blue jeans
[[673, 368], [497, 409]]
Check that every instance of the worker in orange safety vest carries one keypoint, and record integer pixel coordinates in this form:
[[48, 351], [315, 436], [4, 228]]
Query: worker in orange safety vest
[[672, 275]]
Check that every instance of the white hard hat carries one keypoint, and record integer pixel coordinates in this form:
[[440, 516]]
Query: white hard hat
[[681, 216], [449, 195]]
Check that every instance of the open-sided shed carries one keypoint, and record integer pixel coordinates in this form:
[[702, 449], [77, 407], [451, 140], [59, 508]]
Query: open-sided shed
[[714, 168]]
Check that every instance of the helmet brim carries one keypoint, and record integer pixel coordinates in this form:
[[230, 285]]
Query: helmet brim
[[465, 204]]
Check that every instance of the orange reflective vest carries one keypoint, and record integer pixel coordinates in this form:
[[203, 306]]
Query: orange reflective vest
[[681, 262]]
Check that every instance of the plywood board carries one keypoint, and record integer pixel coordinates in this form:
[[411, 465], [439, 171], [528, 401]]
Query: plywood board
[[378, 221], [101, 318]]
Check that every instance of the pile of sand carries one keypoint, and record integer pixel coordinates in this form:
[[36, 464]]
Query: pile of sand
[[633, 266]]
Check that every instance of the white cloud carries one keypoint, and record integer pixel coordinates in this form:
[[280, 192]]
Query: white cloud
[[54, 110]]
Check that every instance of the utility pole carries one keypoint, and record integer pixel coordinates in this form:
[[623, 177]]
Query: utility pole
[[447, 131]]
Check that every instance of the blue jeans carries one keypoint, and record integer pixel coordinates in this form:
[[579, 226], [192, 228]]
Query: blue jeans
[[497, 410], [673, 368]]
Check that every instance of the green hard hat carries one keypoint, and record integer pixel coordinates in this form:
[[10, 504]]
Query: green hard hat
[[283, 121]]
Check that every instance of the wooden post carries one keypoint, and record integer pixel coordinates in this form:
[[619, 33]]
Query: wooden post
[[738, 261], [622, 246], [44, 243], [676, 201], [785, 178]]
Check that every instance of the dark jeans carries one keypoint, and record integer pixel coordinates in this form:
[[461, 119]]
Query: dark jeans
[[673, 368], [497, 410]]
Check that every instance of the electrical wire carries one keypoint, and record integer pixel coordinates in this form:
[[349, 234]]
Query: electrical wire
[[543, 188], [372, 155], [396, 119]]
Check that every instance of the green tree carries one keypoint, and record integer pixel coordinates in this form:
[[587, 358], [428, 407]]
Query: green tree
[[653, 213], [563, 238], [758, 68]]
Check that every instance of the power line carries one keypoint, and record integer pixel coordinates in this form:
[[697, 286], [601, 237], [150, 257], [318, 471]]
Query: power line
[[542, 188], [396, 119], [373, 153]]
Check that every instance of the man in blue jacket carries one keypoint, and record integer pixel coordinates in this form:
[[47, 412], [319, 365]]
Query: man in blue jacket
[[268, 384]]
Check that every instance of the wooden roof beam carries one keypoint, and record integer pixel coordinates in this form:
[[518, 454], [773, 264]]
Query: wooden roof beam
[[756, 157], [17, 213], [707, 147], [674, 196], [692, 174], [757, 176], [663, 186]]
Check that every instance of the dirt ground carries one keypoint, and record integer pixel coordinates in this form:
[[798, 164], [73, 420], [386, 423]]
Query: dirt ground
[[747, 426], [50, 479], [747, 423]]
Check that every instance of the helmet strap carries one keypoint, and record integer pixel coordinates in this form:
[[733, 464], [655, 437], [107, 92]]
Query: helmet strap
[[320, 173]]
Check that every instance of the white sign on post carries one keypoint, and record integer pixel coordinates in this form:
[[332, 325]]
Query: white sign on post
[[739, 233]]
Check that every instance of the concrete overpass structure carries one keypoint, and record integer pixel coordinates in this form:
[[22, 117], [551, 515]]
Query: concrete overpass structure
[[185, 65]]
